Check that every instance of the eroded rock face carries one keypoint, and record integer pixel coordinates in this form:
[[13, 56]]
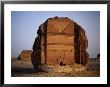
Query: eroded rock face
[[60, 41], [25, 54]]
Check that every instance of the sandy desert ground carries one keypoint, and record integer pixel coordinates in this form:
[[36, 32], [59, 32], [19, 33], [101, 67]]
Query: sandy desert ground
[[24, 68]]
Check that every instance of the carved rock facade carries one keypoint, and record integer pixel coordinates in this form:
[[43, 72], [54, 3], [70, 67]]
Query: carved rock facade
[[60, 41]]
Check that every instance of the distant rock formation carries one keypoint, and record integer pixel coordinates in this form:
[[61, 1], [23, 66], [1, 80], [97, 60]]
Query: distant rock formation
[[98, 55], [60, 41], [25, 54]]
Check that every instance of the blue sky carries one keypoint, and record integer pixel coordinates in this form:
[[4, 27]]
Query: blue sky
[[24, 26]]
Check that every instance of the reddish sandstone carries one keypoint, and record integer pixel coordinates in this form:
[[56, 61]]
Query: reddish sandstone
[[60, 41], [25, 54]]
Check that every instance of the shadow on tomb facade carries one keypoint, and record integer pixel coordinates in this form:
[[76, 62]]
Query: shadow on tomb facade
[[60, 41]]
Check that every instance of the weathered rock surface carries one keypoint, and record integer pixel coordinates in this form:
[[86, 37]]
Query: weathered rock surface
[[60, 41], [25, 55]]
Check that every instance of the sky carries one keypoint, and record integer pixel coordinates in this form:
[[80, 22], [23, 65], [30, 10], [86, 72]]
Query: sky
[[24, 26]]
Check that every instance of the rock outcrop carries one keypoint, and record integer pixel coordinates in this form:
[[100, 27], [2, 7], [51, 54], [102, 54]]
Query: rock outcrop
[[25, 54], [60, 41]]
